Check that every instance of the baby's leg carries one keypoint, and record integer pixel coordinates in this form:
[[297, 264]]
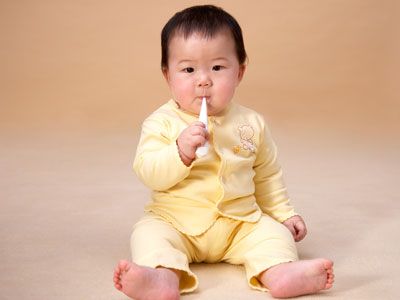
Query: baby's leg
[[268, 252], [298, 278], [143, 283], [160, 263]]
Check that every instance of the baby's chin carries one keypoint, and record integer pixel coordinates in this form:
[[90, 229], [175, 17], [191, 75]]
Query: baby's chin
[[215, 111]]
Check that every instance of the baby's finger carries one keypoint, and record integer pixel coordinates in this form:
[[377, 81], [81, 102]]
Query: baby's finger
[[198, 123], [197, 130], [198, 141], [301, 231], [300, 226]]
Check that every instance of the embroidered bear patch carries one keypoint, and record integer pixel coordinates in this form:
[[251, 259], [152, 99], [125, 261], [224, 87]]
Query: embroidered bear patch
[[246, 133]]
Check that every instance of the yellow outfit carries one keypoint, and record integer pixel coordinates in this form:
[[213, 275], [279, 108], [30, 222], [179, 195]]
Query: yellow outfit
[[233, 197]]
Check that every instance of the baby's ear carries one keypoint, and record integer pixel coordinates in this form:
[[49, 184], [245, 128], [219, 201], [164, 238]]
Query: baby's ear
[[165, 73], [242, 69]]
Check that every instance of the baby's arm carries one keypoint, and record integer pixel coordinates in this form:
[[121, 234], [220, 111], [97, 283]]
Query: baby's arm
[[157, 162], [271, 191]]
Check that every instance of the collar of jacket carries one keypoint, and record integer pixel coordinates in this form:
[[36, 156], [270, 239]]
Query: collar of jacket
[[218, 119]]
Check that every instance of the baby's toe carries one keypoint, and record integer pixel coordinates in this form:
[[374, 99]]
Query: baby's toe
[[118, 286], [328, 264], [116, 279], [123, 265], [328, 286]]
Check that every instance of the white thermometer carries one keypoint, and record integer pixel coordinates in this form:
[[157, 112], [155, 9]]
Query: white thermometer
[[203, 150]]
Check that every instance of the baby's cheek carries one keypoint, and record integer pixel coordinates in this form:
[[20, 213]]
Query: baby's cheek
[[227, 90], [182, 88]]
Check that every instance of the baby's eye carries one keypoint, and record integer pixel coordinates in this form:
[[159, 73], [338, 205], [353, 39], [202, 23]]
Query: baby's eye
[[188, 70], [217, 68]]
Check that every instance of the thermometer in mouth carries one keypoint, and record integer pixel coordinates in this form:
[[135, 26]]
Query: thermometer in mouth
[[203, 150]]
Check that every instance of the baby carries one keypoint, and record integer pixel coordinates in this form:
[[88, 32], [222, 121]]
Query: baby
[[230, 205]]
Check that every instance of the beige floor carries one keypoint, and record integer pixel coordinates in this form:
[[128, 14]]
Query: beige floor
[[68, 203]]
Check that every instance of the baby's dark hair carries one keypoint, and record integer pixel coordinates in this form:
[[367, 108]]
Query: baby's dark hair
[[207, 20]]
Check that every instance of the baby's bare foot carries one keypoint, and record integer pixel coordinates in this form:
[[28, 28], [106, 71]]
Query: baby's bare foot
[[299, 278], [143, 283]]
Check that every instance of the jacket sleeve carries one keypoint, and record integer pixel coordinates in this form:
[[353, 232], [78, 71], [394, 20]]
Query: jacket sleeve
[[270, 189], [157, 162]]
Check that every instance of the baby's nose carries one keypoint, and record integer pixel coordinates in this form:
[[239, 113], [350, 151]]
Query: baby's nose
[[204, 81]]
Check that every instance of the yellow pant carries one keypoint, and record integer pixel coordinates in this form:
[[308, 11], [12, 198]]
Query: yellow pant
[[257, 246]]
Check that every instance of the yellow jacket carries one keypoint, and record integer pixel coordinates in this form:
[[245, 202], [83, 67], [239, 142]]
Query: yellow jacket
[[239, 178]]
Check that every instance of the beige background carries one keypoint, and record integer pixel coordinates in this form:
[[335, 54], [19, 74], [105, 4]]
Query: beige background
[[95, 64], [78, 77]]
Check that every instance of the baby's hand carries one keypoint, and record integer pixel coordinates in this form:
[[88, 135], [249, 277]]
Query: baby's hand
[[297, 227], [189, 140]]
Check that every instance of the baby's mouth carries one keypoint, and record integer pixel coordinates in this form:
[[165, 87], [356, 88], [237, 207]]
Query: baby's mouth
[[207, 98]]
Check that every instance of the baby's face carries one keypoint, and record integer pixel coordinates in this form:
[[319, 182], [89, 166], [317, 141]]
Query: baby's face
[[199, 67]]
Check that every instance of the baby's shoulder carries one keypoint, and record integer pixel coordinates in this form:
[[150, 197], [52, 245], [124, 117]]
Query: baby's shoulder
[[246, 114], [163, 114]]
